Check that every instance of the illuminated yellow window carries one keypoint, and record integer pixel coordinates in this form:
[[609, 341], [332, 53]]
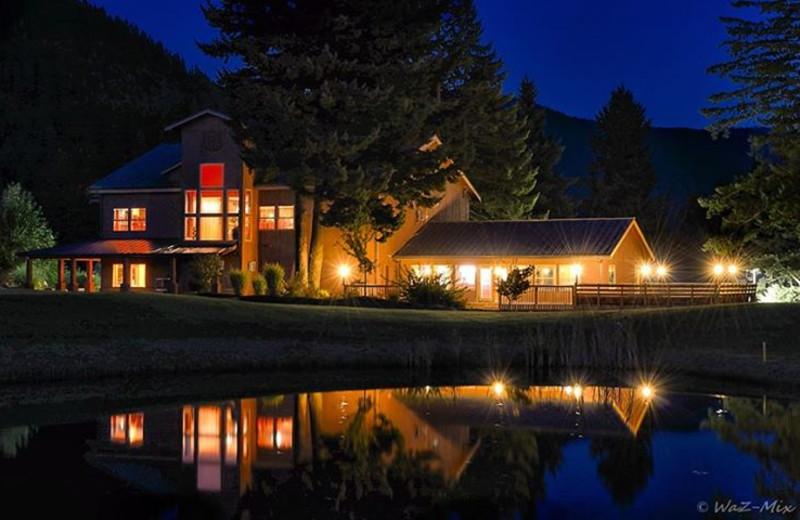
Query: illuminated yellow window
[[190, 228], [210, 228], [138, 219], [232, 228], [612, 274], [208, 433], [211, 202], [466, 275], [119, 428], [569, 274], [545, 275], [190, 202], [248, 207], [285, 217], [188, 435], [136, 429], [138, 275], [443, 272], [233, 202], [231, 431], [121, 219], [266, 218]]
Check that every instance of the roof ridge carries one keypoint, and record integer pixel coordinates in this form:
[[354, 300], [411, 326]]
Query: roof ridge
[[499, 221]]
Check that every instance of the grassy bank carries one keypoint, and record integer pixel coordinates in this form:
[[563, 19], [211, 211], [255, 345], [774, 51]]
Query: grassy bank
[[48, 336]]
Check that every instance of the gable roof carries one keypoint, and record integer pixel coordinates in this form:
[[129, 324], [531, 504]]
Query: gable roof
[[518, 238], [146, 171], [203, 113]]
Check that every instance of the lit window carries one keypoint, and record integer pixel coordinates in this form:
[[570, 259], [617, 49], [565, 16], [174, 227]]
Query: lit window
[[190, 202], [545, 275], [233, 202], [136, 429], [138, 219], [569, 274], [266, 218], [138, 275], [285, 217], [211, 202], [208, 432], [421, 270], [211, 228], [231, 431], [248, 232], [116, 275], [119, 428], [188, 435], [443, 271], [612, 274], [232, 228], [466, 275], [274, 433], [190, 228], [120, 219], [211, 175], [127, 429]]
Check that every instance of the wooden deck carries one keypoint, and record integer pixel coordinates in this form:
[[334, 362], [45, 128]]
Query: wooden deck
[[565, 297]]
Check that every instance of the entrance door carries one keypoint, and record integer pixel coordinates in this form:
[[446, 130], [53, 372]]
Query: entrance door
[[486, 284]]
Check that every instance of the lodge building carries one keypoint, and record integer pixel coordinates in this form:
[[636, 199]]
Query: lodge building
[[195, 196]]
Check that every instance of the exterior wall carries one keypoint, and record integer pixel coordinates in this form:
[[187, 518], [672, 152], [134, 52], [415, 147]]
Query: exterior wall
[[164, 214], [631, 253], [593, 270], [276, 245]]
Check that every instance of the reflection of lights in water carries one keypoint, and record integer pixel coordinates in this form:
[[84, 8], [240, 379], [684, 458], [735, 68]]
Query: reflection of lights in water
[[498, 388], [568, 390], [577, 391], [427, 388], [278, 440]]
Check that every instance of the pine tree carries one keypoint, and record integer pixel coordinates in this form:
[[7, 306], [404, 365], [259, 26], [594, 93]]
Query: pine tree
[[334, 100], [481, 126], [545, 154], [621, 176], [758, 214]]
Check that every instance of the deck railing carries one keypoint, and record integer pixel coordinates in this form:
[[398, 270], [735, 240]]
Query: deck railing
[[369, 291], [547, 297]]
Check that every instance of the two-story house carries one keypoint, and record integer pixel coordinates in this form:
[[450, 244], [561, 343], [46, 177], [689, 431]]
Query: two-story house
[[195, 196]]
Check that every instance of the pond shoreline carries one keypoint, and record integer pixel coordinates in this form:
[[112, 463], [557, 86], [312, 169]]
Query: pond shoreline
[[50, 337]]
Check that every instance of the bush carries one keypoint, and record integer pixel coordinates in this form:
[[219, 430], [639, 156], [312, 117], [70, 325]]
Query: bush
[[430, 291], [295, 287], [205, 269], [45, 275], [274, 276], [259, 285], [238, 281], [517, 282]]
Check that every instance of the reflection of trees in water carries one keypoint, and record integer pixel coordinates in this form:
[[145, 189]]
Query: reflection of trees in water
[[771, 435], [507, 474], [365, 473], [15, 439], [624, 464]]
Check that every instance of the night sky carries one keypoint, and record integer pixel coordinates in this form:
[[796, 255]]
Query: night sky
[[576, 51]]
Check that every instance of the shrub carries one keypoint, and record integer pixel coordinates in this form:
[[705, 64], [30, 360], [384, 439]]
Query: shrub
[[45, 275], [274, 275], [259, 285], [517, 282], [205, 269], [238, 281], [430, 291], [295, 288]]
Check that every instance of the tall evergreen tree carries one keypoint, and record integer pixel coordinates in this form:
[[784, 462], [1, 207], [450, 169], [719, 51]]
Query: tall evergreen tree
[[482, 127], [758, 214], [335, 99], [621, 176], [545, 154], [22, 227]]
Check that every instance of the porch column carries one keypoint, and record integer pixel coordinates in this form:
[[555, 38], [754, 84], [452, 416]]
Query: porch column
[[174, 278], [29, 273], [126, 275], [89, 276], [73, 275], [62, 282]]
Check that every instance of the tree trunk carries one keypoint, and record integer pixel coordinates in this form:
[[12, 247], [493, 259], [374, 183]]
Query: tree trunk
[[303, 213], [315, 263]]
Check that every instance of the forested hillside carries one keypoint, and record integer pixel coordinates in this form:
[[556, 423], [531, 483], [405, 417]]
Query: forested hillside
[[81, 94]]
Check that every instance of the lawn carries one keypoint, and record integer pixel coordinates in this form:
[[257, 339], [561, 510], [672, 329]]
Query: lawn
[[48, 336]]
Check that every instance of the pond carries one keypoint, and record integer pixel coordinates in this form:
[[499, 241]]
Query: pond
[[492, 450]]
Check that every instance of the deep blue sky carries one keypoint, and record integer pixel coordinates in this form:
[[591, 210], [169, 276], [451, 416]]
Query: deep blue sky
[[576, 51]]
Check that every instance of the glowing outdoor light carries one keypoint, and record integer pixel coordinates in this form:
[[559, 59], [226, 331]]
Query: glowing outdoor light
[[733, 269], [576, 269], [719, 269], [568, 390], [501, 272], [577, 391], [344, 271], [647, 391], [646, 270], [661, 271], [498, 388]]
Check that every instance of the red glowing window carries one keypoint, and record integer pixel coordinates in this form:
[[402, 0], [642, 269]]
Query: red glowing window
[[212, 175]]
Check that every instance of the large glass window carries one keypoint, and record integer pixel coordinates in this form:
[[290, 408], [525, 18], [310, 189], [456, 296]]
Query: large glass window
[[569, 274], [138, 274], [233, 202], [211, 228], [138, 219], [212, 175], [545, 275], [285, 217], [211, 202], [466, 275], [120, 219], [232, 228], [190, 228]]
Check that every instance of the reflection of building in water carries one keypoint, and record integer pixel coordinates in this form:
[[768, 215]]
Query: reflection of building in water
[[216, 447]]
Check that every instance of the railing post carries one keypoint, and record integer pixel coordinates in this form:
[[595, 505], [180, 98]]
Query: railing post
[[574, 295], [535, 297]]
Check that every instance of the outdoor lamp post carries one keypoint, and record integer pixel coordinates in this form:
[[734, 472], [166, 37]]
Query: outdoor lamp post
[[344, 274]]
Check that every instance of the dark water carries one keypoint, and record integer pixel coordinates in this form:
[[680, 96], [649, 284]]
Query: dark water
[[433, 452]]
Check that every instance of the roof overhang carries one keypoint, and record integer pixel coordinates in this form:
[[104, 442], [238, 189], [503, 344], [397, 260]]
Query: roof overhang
[[106, 191], [463, 177], [130, 248], [204, 113], [633, 227]]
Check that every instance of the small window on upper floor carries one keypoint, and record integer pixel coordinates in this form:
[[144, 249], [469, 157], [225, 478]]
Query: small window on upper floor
[[266, 218], [212, 175], [138, 219], [285, 217], [120, 219]]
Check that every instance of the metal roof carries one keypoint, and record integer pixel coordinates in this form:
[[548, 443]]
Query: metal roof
[[203, 113], [146, 171], [122, 247], [517, 238]]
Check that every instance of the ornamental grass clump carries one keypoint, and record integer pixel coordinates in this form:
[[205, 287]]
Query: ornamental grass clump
[[433, 290], [274, 276], [238, 280], [259, 285]]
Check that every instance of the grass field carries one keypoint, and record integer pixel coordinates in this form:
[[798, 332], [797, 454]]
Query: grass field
[[48, 336]]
